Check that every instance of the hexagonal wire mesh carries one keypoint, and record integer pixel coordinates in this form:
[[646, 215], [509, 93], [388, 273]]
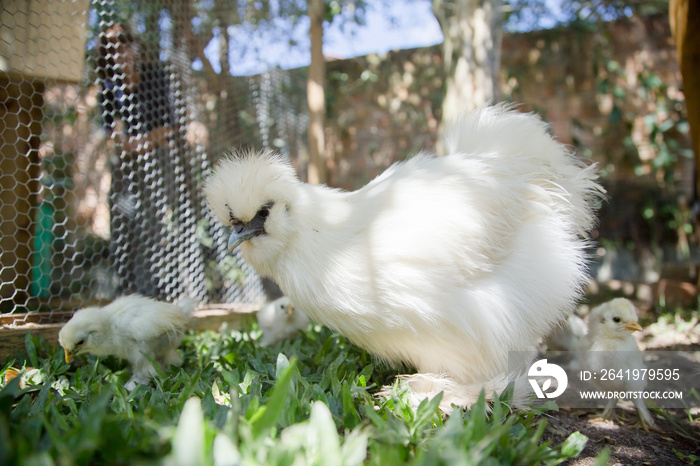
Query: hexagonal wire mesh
[[106, 133]]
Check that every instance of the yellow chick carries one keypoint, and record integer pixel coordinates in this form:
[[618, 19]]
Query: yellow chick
[[132, 327], [610, 328]]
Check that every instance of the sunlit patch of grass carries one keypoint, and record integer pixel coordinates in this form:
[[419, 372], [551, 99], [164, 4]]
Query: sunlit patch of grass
[[306, 401]]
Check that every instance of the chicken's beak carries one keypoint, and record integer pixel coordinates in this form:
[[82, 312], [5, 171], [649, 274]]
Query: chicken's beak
[[237, 238], [245, 231], [69, 355], [634, 326]]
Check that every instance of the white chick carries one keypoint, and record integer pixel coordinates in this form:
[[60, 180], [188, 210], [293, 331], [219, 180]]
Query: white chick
[[132, 327], [279, 320], [612, 346], [444, 264]]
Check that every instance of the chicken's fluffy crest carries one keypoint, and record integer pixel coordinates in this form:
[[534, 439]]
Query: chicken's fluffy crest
[[444, 264]]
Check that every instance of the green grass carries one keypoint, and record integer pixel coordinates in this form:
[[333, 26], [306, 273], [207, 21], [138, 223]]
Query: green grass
[[306, 401]]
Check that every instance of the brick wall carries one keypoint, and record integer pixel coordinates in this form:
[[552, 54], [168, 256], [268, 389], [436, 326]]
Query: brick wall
[[383, 108]]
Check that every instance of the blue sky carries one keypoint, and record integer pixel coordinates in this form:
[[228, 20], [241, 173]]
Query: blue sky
[[403, 24], [407, 24], [389, 25]]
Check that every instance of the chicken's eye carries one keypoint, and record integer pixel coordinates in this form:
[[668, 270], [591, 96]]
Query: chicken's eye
[[232, 218], [265, 210], [616, 320], [80, 342]]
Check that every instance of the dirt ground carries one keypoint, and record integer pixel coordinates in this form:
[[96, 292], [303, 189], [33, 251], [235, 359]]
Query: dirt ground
[[628, 445], [677, 439]]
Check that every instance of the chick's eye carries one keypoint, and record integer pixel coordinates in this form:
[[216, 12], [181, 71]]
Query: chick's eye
[[80, 342], [616, 320]]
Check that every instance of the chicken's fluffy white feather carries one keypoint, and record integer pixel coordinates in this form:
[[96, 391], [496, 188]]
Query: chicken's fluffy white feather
[[132, 327], [445, 263]]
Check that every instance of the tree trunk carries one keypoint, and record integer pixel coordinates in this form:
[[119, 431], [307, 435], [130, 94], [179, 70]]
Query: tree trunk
[[316, 96], [473, 31], [684, 16], [685, 26]]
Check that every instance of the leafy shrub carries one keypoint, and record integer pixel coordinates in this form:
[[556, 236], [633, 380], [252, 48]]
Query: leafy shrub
[[306, 401]]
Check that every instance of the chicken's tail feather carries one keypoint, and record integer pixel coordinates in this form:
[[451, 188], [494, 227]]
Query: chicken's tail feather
[[187, 305], [182, 320], [523, 140]]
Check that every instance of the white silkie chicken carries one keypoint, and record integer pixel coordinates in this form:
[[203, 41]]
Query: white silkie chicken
[[611, 346], [279, 320], [132, 327], [444, 264]]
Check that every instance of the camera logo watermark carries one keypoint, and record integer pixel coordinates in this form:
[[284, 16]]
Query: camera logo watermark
[[542, 369]]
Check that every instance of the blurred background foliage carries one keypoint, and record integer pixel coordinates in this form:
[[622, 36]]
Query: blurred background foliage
[[602, 72]]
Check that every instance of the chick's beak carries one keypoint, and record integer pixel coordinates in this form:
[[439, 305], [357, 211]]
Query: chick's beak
[[634, 326], [69, 354]]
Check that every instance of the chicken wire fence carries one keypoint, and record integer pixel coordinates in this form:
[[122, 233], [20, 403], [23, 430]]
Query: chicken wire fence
[[110, 118]]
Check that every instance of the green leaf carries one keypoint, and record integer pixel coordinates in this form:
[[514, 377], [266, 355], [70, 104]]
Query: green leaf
[[282, 365], [355, 448], [225, 451], [188, 443], [275, 404], [602, 458], [8, 394], [375, 418], [31, 349], [350, 415], [549, 405], [427, 410], [322, 425], [574, 445]]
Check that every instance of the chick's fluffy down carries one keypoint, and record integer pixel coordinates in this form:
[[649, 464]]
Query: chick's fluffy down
[[611, 346], [279, 320], [444, 264], [132, 327]]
